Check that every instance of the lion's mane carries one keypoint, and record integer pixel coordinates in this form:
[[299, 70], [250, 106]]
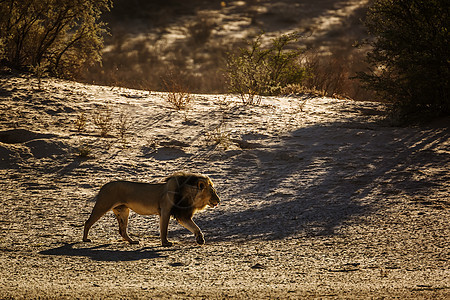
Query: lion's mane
[[183, 207]]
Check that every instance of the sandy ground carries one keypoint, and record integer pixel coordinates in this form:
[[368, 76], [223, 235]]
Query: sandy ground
[[321, 198]]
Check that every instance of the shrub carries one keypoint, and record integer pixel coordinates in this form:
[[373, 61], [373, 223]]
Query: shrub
[[256, 71], [80, 122], [123, 126], [410, 58], [177, 93], [103, 121], [220, 136], [63, 35], [84, 151], [331, 74]]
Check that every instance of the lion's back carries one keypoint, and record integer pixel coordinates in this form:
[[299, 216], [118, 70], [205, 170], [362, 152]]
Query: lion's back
[[141, 197]]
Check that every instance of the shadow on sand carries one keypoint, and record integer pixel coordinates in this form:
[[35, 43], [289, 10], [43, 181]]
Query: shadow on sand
[[321, 178], [99, 253]]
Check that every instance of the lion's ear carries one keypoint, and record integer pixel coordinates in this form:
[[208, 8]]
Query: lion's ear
[[201, 185]]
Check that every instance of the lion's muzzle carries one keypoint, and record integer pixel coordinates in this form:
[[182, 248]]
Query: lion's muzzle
[[215, 200]]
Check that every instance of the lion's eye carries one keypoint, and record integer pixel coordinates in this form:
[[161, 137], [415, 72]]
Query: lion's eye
[[201, 185]]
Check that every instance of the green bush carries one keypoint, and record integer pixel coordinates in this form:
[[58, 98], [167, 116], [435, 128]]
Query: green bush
[[410, 57], [61, 36], [255, 71]]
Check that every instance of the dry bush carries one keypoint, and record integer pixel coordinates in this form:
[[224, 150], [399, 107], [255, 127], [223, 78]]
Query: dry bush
[[123, 126], [333, 74], [80, 122], [177, 93], [103, 120], [297, 89], [220, 136], [40, 71], [329, 74], [84, 151], [256, 70]]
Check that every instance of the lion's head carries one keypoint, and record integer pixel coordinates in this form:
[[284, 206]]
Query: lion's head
[[193, 192]]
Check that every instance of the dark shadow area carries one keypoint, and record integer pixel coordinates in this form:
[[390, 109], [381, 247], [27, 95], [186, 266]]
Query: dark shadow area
[[17, 136], [99, 253], [162, 13], [5, 92], [71, 166], [324, 177], [156, 12]]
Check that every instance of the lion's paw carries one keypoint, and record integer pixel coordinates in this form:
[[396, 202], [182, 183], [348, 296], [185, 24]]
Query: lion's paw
[[200, 240], [167, 244]]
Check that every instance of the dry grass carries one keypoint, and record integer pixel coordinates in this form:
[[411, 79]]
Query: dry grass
[[220, 136], [103, 120], [123, 126], [80, 122], [332, 75], [84, 151], [177, 95], [296, 89]]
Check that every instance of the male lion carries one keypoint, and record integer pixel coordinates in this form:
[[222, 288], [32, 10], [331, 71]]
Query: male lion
[[179, 195]]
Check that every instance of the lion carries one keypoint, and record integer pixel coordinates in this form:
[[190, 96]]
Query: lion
[[179, 196]]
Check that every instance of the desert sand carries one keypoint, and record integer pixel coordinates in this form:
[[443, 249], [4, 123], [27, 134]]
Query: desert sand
[[321, 197]]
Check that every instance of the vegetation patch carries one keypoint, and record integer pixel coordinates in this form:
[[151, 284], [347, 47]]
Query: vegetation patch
[[410, 58], [257, 71]]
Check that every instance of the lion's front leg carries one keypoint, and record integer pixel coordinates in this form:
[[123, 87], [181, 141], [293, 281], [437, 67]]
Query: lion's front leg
[[192, 227], [163, 227]]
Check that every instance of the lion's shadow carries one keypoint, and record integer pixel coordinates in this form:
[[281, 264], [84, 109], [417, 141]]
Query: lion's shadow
[[102, 253], [320, 179]]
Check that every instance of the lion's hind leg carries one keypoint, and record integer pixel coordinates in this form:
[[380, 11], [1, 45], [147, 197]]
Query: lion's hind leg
[[122, 213], [100, 208]]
